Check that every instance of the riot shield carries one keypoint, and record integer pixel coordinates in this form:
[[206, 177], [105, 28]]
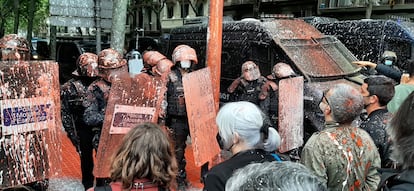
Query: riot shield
[[30, 145], [291, 113], [201, 112], [131, 101]]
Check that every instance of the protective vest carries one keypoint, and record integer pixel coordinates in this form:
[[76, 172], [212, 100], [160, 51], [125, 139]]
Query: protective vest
[[248, 90], [73, 96], [273, 97], [175, 95]]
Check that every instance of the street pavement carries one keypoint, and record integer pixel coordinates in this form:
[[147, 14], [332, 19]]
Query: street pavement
[[70, 177]]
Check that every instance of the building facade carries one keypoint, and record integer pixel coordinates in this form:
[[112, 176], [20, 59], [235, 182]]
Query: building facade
[[173, 13]]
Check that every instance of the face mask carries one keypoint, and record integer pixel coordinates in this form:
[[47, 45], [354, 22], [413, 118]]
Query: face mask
[[185, 64], [388, 62]]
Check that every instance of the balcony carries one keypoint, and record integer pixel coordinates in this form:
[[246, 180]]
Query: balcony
[[332, 5], [238, 2]]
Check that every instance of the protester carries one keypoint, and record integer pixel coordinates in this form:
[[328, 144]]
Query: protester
[[343, 155], [401, 131], [14, 48], [144, 161], [377, 91], [280, 176], [110, 65], [73, 93], [403, 89], [242, 131], [184, 59]]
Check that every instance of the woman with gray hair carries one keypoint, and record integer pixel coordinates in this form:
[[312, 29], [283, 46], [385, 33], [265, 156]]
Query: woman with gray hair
[[242, 131], [269, 176], [343, 155]]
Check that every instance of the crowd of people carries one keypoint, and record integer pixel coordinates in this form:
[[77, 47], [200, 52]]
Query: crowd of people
[[365, 142]]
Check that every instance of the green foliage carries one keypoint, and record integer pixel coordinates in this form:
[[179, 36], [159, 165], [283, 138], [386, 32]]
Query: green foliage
[[7, 14]]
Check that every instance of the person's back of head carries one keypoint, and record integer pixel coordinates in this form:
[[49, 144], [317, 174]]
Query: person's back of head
[[380, 86], [410, 68], [246, 120], [345, 102], [269, 176], [145, 152], [402, 133]]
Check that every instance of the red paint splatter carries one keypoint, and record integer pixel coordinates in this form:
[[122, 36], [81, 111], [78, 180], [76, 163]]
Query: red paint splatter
[[359, 142], [357, 183]]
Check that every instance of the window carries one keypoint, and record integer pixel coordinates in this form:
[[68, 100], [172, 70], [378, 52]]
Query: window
[[184, 5], [170, 11], [200, 9]]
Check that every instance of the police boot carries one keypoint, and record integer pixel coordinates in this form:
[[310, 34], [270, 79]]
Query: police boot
[[182, 181]]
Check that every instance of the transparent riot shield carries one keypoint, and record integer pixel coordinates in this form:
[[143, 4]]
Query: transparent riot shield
[[131, 101], [291, 113], [30, 145], [201, 112]]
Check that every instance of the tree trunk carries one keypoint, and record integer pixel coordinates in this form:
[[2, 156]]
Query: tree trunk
[[2, 27], [16, 16], [32, 10], [159, 27], [118, 25], [368, 11]]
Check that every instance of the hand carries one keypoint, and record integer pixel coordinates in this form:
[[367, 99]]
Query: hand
[[365, 64], [95, 140]]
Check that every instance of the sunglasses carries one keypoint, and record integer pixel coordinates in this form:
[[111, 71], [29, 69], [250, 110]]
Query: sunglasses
[[324, 97]]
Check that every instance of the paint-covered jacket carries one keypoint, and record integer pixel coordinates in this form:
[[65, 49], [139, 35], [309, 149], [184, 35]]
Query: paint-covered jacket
[[376, 126], [345, 157], [95, 103]]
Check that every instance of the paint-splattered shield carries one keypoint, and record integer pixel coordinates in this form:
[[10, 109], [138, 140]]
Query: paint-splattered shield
[[201, 112], [131, 101], [30, 145], [291, 113]]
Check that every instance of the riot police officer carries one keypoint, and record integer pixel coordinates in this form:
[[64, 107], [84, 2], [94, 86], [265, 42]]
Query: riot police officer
[[73, 93], [252, 87], [110, 65], [14, 47], [184, 58], [155, 63]]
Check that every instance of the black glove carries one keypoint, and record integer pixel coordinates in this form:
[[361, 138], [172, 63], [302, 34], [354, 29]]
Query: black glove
[[95, 139]]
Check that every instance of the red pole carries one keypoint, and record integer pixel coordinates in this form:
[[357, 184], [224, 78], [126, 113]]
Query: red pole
[[214, 42]]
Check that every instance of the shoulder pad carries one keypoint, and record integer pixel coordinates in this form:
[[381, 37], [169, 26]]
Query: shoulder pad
[[234, 85]]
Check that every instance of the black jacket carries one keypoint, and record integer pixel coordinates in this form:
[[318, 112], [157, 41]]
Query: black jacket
[[393, 181], [389, 72], [376, 125], [217, 177]]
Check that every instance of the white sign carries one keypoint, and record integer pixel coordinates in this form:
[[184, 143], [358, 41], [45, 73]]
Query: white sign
[[79, 13], [126, 117], [25, 115]]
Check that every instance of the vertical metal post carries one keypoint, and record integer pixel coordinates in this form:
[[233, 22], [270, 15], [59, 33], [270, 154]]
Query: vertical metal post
[[214, 46], [98, 25]]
